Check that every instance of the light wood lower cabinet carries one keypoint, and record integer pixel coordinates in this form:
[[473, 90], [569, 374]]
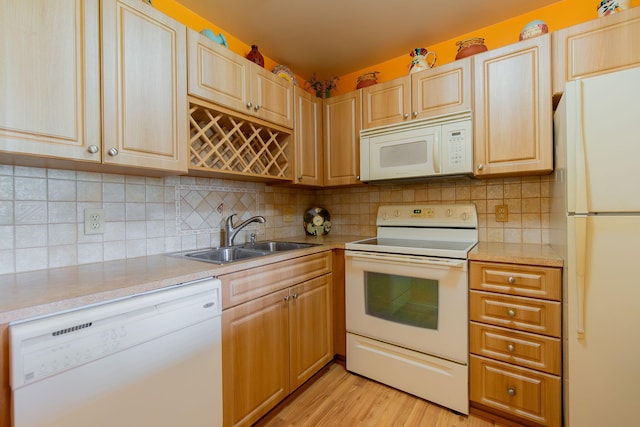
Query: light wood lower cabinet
[[515, 341], [274, 341]]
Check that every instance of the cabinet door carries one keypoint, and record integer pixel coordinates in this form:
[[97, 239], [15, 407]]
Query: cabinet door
[[272, 96], [310, 328], [255, 358], [441, 90], [596, 47], [144, 87], [342, 124], [386, 103], [50, 78], [308, 138], [217, 74], [513, 109]]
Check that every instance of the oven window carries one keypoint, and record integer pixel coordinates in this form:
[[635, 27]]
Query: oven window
[[401, 299]]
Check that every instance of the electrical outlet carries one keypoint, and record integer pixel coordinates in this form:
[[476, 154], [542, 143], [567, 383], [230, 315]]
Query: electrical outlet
[[502, 213], [93, 221], [289, 212]]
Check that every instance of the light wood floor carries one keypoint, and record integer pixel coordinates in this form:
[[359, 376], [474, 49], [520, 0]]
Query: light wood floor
[[340, 398]]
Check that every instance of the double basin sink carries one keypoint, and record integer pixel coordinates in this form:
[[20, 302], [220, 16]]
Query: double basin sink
[[225, 255]]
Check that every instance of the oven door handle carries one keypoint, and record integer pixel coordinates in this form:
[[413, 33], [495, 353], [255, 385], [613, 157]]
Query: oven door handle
[[407, 259]]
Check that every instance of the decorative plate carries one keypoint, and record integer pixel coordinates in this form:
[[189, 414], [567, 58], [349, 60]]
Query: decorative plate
[[317, 222], [285, 72]]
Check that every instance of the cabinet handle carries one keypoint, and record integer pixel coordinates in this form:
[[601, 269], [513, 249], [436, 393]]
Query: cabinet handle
[[257, 107], [295, 295], [511, 347], [511, 391], [113, 152], [511, 312], [286, 297], [415, 114], [92, 149], [405, 115], [480, 166], [249, 104], [511, 279], [299, 177]]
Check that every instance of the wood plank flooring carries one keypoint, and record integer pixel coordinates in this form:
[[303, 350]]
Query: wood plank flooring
[[339, 398]]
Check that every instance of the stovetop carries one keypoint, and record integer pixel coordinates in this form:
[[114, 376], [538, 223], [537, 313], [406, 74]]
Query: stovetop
[[449, 231]]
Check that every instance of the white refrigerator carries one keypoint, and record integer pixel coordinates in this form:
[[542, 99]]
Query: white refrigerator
[[595, 224]]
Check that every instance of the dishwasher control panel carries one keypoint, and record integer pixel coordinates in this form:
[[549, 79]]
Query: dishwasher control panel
[[45, 346]]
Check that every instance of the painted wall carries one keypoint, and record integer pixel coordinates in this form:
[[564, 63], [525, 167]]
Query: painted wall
[[557, 16]]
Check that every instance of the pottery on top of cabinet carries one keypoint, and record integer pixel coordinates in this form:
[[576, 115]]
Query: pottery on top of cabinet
[[367, 79], [607, 7], [220, 39], [420, 61], [255, 56], [470, 47], [534, 29]]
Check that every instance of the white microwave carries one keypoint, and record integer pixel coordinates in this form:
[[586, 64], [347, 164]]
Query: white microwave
[[438, 146]]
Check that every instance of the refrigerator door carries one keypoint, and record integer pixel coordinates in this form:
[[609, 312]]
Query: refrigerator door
[[603, 148], [602, 358]]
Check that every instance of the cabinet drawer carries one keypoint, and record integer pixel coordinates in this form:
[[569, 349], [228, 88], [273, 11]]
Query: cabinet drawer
[[524, 314], [521, 348], [522, 392], [522, 280], [255, 282]]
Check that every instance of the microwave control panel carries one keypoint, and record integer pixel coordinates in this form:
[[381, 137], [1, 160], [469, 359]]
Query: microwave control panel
[[457, 147]]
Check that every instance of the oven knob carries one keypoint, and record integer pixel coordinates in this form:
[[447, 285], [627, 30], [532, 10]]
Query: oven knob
[[385, 216], [396, 213], [465, 216], [449, 212]]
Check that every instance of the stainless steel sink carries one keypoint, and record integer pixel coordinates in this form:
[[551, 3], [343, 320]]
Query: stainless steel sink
[[276, 246], [225, 255]]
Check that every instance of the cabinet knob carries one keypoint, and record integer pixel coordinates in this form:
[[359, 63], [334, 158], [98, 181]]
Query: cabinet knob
[[511, 279], [480, 166], [405, 115], [249, 104], [286, 297], [415, 114], [358, 177], [257, 107], [511, 391], [511, 312], [511, 347], [299, 177], [295, 295], [92, 149], [113, 152]]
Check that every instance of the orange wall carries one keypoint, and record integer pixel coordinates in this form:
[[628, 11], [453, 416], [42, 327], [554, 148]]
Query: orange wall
[[558, 15]]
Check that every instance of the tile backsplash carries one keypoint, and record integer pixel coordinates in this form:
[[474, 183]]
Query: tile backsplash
[[42, 212]]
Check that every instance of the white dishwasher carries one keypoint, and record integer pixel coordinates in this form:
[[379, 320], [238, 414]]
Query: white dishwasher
[[152, 359]]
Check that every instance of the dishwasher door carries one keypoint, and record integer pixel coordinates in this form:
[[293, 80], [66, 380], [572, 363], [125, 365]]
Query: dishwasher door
[[153, 359]]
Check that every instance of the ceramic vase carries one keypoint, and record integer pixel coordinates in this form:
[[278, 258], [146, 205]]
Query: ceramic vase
[[255, 56], [420, 60]]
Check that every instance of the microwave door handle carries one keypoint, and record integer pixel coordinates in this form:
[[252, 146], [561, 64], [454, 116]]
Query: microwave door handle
[[436, 153]]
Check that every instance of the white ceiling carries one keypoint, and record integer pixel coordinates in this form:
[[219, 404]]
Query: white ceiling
[[337, 37]]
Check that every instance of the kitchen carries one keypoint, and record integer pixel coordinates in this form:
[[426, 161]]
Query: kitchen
[[147, 215]]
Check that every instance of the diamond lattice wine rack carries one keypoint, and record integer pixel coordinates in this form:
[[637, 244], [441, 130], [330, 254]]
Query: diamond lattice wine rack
[[230, 145]]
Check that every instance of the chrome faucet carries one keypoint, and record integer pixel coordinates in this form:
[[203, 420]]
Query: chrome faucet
[[230, 230]]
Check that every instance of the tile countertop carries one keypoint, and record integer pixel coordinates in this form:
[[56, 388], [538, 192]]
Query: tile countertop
[[515, 253], [36, 293]]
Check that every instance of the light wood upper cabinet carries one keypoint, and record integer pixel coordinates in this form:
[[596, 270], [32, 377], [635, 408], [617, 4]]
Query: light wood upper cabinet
[[223, 77], [144, 87], [433, 92], [308, 138], [603, 45], [513, 109], [342, 124], [50, 78]]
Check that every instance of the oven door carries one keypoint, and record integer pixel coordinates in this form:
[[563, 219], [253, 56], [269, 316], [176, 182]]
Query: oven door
[[419, 303]]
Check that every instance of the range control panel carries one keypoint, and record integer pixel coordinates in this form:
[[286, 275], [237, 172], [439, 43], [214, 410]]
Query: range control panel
[[450, 216]]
